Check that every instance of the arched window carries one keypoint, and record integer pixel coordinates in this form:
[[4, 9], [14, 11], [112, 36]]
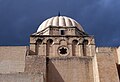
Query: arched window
[[38, 42], [49, 43], [84, 44], [74, 49]]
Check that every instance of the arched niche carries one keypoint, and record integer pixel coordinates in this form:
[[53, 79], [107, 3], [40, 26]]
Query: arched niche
[[63, 42], [84, 46], [48, 46], [75, 42], [49, 41], [74, 47], [38, 42]]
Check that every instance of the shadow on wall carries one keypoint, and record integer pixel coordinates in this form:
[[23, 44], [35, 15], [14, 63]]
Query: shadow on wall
[[52, 73], [118, 69]]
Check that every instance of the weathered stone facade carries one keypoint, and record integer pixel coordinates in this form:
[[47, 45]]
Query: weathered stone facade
[[60, 51]]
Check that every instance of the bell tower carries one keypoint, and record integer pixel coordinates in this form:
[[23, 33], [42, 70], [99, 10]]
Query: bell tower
[[67, 50]]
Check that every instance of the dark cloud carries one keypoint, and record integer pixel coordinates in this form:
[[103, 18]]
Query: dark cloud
[[20, 18]]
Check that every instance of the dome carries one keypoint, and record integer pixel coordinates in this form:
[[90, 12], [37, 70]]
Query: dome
[[61, 21]]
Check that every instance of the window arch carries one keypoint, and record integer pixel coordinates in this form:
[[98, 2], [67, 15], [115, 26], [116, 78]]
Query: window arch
[[74, 47], [75, 42], [38, 42], [48, 45], [84, 45], [63, 42], [50, 41]]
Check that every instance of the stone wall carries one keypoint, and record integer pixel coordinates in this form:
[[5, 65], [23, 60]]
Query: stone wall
[[106, 65], [115, 54], [21, 77], [73, 69], [35, 64], [52, 50], [118, 55], [12, 59]]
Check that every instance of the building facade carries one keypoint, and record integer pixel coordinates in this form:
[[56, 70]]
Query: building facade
[[60, 51]]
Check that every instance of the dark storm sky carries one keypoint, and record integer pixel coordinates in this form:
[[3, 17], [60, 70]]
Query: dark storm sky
[[20, 18]]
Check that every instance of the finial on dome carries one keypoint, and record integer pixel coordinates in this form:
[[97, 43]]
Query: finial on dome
[[59, 13]]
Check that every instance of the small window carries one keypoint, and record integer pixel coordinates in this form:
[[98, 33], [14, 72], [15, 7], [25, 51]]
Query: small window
[[63, 51], [62, 32]]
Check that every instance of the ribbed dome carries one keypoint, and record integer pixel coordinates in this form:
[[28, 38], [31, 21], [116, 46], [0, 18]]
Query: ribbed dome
[[61, 21]]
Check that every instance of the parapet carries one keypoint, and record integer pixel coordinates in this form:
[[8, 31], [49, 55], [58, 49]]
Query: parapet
[[103, 49]]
